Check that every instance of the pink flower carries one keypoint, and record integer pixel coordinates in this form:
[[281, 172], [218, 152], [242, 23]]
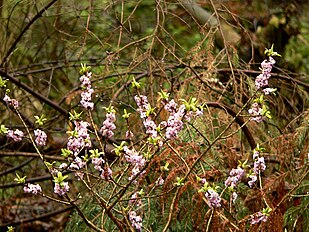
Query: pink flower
[[108, 125], [259, 165], [87, 105], [98, 162], [175, 123], [12, 102], [134, 199], [85, 79], [256, 111], [171, 106], [142, 103], [16, 135], [159, 181], [63, 166], [32, 188], [61, 190], [7, 99], [213, 198], [106, 173], [234, 178], [87, 91], [138, 161], [41, 137], [135, 220], [259, 216], [81, 138], [234, 196], [268, 91], [129, 134], [79, 162], [75, 144], [253, 178], [262, 80], [151, 127]]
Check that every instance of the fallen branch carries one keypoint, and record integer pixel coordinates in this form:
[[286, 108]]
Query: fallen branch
[[32, 219]]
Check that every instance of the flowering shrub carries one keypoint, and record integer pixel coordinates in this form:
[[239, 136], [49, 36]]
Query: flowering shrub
[[154, 164]]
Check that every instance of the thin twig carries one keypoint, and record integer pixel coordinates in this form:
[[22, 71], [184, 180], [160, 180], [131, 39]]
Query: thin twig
[[37, 16], [32, 219]]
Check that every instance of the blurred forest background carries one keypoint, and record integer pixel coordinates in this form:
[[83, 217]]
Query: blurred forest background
[[208, 49]]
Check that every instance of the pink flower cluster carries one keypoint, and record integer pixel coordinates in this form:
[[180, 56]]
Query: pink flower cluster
[[106, 173], [174, 122], [32, 188], [170, 106], [77, 164], [259, 216], [98, 163], [256, 112], [129, 134], [11, 102], [138, 161], [235, 177], [41, 137], [61, 190], [134, 200], [143, 107], [258, 167], [176, 117], [108, 125], [87, 91], [135, 220], [159, 181], [173, 125], [253, 178], [262, 80], [80, 137], [213, 198], [261, 83], [16, 135]]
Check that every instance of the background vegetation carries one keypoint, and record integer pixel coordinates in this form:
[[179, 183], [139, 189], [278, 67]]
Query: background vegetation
[[210, 50]]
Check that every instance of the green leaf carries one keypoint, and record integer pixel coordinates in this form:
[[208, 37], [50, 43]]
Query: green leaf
[[40, 120], [270, 52], [179, 181], [2, 83], [75, 116], [126, 115], [65, 152], [119, 148], [165, 167], [150, 111], [84, 69], [266, 211], [60, 178], [163, 95], [50, 165], [110, 109], [135, 84], [20, 180], [95, 153], [10, 229], [3, 129]]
